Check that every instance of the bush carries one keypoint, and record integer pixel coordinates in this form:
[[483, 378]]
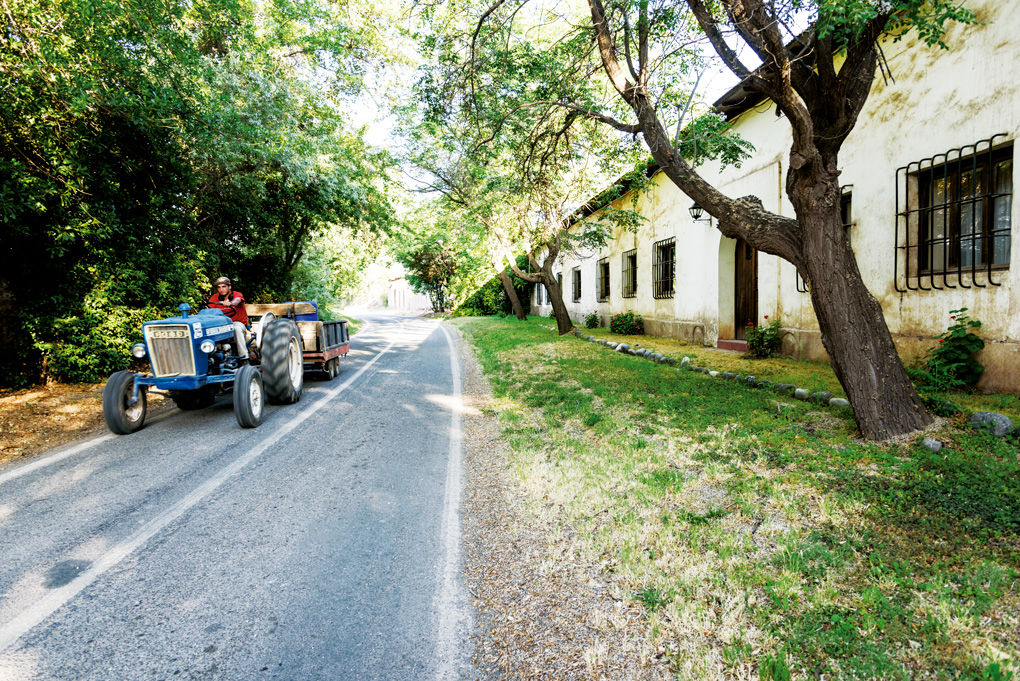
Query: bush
[[627, 323], [950, 364], [592, 320], [91, 346], [764, 341]]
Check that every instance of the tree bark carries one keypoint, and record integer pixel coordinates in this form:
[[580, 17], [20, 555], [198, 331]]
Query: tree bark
[[543, 274], [511, 293], [853, 328]]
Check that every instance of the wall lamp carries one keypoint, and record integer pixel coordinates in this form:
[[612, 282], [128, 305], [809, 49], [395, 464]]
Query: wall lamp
[[697, 211]]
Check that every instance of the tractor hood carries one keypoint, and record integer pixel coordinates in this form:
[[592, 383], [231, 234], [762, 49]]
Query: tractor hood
[[210, 323]]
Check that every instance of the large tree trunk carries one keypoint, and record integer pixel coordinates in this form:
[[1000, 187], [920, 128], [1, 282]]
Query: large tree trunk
[[511, 293], [853, 327], [563, 323]]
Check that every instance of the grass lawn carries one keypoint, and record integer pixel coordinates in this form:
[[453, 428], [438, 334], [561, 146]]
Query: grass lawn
[[763, 539]]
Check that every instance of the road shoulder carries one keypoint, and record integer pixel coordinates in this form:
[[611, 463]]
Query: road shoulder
[[540, 612]]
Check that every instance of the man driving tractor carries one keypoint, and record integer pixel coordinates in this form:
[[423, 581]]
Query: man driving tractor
[[230, 301]]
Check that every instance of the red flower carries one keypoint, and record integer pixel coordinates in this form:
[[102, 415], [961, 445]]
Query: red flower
[[750, 323], [952, 316], [942, 340], [766, 316]]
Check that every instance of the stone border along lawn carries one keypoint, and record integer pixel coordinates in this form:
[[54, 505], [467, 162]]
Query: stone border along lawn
[[995, 423]]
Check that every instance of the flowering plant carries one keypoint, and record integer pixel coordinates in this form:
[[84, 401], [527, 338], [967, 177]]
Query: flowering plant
[[763, 341], [950, 363]]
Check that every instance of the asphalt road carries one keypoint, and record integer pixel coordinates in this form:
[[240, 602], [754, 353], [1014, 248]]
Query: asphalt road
[[321, 545]]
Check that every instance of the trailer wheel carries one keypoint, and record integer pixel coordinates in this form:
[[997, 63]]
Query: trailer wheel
[[122, 417], [249, 397], [331, 367], [283, 369], [190, 400]]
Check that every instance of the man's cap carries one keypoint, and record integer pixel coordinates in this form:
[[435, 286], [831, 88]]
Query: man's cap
[[222, 280]]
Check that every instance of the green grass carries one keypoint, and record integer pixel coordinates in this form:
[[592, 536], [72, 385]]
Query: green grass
[[761, 536]]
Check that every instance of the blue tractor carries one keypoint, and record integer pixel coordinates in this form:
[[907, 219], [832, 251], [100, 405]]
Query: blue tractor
[[195, 357]]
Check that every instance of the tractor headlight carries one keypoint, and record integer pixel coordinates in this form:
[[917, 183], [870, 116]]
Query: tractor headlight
[[207, 346], [138, 350]]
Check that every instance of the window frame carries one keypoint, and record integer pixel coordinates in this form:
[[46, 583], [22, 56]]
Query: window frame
[[575, 285], [927, 260], [663, 283], [952, 213], [628, 284], [602, 280]]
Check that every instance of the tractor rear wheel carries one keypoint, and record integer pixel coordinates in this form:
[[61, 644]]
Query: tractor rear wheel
[[249, 397], [283, 370], [120, 415]]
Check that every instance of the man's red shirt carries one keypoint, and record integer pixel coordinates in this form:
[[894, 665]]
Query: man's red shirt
[[237, 314]]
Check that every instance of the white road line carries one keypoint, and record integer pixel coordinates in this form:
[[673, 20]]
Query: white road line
[[11, 631], [453, 616]]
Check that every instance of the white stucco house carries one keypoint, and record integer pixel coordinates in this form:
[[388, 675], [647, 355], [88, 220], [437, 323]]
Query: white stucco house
[[928, 178]]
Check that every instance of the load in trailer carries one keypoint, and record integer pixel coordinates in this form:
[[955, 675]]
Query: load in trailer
[[192, 358]]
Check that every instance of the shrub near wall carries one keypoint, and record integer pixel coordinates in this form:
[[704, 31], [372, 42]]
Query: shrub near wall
[[627, 323]]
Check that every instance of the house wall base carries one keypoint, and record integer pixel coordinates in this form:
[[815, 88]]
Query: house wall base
[[693, 332], [1001, 359]]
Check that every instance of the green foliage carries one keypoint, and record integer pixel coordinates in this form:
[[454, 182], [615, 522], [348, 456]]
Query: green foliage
[[653, 598], [627, 323], [950, 364], [94, 344], [592, 320], [147, 147], [774, 668], [763, 341], [846, 21], [430, 267], [710, 137]]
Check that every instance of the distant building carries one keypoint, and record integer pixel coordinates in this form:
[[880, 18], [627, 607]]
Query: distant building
[[928, 179]]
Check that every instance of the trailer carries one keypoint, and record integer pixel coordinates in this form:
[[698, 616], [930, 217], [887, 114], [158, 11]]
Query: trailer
[[323, 343]]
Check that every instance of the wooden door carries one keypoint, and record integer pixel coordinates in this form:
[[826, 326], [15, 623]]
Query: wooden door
[[745, 287]]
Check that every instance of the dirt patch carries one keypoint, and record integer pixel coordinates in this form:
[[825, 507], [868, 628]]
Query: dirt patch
[[37, 419]]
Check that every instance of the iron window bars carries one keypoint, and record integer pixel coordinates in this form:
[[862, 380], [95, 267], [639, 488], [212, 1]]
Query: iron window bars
[[630, 273], [846, 201], [953, 217], [602, 280], [665, 268], [575, 284]]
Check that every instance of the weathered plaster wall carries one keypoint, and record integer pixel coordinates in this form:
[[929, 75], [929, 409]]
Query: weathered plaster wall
[[938, 100]]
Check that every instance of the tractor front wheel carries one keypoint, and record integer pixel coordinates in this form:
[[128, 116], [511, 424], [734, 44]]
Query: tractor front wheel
[[249, 397], [121, 416], [283, 369]]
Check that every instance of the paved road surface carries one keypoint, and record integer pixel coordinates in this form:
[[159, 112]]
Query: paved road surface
[[321, 545]]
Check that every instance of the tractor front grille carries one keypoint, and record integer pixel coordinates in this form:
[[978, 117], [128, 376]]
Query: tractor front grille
[[170, 350]]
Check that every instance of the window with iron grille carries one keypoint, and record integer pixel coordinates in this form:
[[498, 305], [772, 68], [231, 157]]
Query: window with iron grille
[[954, 217], [665, 268], [575, 284], [602, 280], [630, 274], [846, 202]]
